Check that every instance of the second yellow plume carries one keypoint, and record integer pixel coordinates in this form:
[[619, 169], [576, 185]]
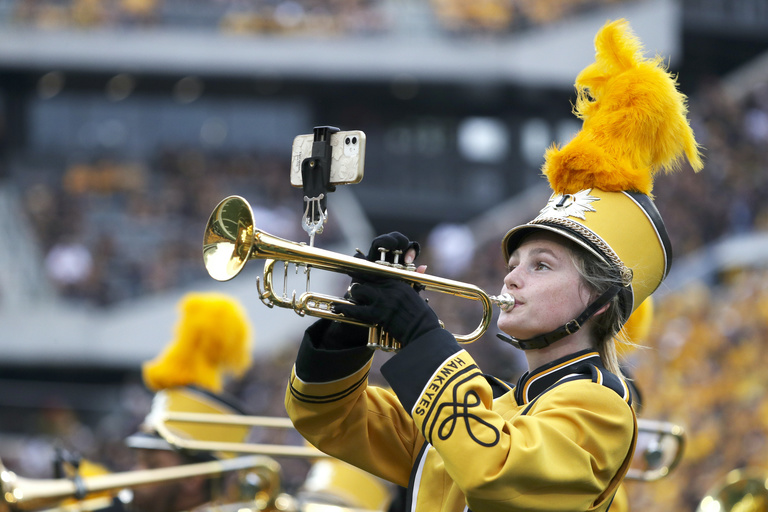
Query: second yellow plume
[[212, 339]]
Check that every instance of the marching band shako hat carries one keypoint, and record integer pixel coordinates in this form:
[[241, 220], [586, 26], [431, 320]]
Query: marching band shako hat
[[213, 339], [634, 125], [188, 399]]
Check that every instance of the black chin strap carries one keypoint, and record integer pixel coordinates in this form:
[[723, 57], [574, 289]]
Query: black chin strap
[[544, 340]]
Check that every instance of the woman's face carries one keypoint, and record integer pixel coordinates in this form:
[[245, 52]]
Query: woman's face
[[547, 288]]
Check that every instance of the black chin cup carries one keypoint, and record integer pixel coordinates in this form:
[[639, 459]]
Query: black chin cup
[[545, 340]]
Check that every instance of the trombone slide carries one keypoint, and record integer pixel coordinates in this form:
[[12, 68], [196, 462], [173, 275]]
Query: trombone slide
[[26, 494]]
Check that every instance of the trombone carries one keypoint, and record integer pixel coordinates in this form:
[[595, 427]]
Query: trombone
[[231, 240], [741, 490], [159, 420], [660, 447], [19, 493], [660, 444]]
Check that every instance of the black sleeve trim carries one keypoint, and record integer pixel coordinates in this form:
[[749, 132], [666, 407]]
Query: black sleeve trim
[[324, 399], [315, 364]]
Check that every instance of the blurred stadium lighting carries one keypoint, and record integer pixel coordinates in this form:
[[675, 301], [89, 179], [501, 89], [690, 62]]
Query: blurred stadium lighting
[[50, 84], [120, 87], [188, 89], [483, 139], [535, 136]]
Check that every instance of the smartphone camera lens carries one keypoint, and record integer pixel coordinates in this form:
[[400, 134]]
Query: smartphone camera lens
[[346, 141], [354, 140]]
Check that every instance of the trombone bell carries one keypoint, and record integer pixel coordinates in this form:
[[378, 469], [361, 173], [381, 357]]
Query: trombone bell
[[660, 447]]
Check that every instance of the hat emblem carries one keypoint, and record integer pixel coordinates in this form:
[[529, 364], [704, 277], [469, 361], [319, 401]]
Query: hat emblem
[[569, 205]]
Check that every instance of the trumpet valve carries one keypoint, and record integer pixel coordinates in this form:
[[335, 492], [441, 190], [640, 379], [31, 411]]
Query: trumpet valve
[[396, 258], [383, 257]]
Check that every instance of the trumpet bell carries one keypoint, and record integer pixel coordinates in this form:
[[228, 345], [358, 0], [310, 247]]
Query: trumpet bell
[[228, 238]]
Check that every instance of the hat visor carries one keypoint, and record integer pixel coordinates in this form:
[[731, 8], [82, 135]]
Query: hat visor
[[515, 236]]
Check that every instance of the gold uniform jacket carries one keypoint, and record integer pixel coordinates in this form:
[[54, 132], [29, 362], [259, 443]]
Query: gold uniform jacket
[[561, 440]]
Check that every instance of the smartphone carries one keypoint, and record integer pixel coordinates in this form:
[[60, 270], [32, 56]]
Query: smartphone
[[347, 157]]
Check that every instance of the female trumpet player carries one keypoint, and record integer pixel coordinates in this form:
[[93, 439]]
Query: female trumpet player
[[561, 439]]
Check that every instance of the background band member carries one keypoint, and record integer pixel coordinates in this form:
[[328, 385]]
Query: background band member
[[212, 342]]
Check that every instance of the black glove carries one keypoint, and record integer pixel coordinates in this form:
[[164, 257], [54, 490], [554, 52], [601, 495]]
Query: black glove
[[395, 244], [392, 304], [342, 335], [337, 335]]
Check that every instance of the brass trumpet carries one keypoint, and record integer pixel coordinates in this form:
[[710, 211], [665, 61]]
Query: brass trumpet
[[231, 240]]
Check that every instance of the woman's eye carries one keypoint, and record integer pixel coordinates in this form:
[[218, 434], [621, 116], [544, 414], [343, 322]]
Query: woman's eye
[[541, 266]]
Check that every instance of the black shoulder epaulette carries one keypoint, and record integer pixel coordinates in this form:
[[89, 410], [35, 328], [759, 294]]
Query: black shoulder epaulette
[[598, 375]]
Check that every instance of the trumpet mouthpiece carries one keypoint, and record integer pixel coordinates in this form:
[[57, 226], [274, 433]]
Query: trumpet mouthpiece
[[504, 301]]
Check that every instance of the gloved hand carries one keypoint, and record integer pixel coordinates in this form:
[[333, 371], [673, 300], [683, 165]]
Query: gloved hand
[[396, 247], [393, 304], [338, 335]]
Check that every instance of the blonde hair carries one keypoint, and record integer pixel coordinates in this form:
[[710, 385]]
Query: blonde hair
[[598, 276]]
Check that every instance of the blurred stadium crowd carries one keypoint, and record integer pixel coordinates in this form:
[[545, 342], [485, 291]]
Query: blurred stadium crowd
[[97, 221], [290, 17], [113, 230]]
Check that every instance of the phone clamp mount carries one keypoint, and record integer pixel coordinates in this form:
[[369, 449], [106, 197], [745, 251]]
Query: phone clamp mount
[[316, 182]]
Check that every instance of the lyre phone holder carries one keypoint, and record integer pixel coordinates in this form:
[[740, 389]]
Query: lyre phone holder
[[316, 181]]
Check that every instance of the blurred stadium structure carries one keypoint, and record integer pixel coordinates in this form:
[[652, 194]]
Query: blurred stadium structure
[[139, 130], [123, 122], [121, 136]]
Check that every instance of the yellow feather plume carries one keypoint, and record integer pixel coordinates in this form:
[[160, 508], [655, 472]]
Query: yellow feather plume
[[213, 338], [634, 121]]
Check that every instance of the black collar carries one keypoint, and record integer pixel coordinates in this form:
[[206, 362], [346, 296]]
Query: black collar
[[533, 383]]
